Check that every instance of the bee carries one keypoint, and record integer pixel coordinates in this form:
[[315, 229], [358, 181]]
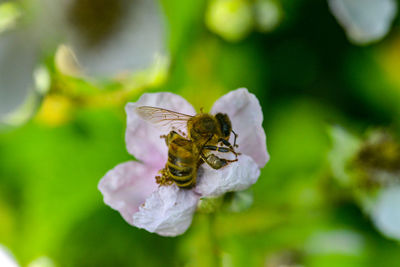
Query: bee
[[183, 161], [205, 133]]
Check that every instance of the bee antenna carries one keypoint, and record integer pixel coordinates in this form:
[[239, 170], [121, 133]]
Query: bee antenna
[[201, 110]]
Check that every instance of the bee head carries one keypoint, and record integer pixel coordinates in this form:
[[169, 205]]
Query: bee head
[[224, 124]]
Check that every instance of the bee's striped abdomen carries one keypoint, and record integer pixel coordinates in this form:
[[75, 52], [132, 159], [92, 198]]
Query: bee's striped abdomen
[[181, 171], [182, 162]]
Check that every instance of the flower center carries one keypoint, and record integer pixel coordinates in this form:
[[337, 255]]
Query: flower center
[[96, 20]]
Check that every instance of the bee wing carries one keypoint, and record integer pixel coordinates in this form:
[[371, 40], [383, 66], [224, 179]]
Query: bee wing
[[166, 120]]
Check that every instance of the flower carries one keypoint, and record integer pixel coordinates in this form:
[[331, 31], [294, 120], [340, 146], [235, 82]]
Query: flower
[[110, 37], [385, 212], [364, 21], [370, 168], [102, 39], [6, 258], [131, 187]]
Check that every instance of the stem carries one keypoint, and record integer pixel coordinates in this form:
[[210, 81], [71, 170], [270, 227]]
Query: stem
[[215, 251]]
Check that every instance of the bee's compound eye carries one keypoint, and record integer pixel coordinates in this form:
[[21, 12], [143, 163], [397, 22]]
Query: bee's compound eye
[[224, 123]]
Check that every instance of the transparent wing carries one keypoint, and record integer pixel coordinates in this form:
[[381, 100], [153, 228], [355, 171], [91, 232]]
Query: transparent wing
[[164, 119]]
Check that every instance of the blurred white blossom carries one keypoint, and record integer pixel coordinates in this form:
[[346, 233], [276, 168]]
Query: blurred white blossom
[[386, 211], [268, 14], [18, 59], [364, 21], [6, 258], [104, 38], [113, 36], [371, 168]]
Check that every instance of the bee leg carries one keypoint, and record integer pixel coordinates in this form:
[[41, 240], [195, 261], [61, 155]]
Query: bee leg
[[164, 178], [165, 137], [234, 140], [226, 143], [215, 162], [223, 149], [217, 148]]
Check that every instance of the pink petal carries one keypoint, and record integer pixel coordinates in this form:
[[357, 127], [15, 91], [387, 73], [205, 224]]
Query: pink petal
[[236, 176], [168, 212], [246, 115], [127, 186], [142, 138]]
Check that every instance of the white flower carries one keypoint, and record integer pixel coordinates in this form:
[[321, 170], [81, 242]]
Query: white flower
[[106, 38], [6, 258], [381, 201], [110, 37], [131, 188], [365, 21], [18, 58]]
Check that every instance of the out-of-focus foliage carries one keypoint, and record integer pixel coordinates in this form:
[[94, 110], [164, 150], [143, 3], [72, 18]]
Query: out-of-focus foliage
[[304, 210], [8, 15]]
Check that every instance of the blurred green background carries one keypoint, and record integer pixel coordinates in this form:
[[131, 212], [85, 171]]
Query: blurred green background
[[307, 76]]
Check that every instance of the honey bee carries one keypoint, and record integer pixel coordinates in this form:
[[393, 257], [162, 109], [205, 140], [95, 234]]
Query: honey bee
[[205, 133]]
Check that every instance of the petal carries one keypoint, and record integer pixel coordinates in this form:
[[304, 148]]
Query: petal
[[168, 211], [364, 20], [18, 57], [246, 115], [127, 186], [119, 36], [386, 212], [6, 258], [236, 176], [142, 138]]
